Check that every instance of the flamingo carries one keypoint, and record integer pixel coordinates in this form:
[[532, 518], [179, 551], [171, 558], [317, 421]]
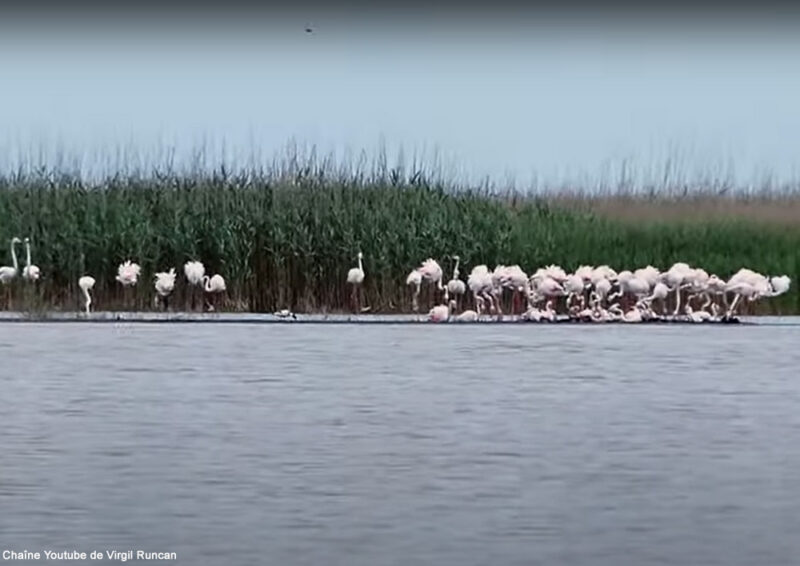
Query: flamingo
[[532, 314], [514, 278], [660, 293], [432, 271], [467, 316], [215, 286], [31, 272], [715, 288], [415, 278], [673, 278], [480, 283], [164, 284], [86, 283], [740, 289], [194, 272], [780, 285], [696, 316], [574, 286], [599, 314], [649, 274], [456, 286], [439, 313], [632, 316], [636, 286], [549, 289], [285, 313], [602, 288], [7, 273], [548, 313], [355, 277], [128, 275]]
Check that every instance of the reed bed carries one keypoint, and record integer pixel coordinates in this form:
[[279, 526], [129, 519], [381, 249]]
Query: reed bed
[[285, 238]]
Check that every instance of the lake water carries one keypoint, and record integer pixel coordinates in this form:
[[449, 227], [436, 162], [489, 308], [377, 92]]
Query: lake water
[[392, 444]]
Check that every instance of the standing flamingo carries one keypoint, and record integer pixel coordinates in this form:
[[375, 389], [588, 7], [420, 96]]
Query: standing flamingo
[[31, 272], [415, 278], [431, 271], [215, 286], [456, 286], [86, 283], [355, 277], [164, 284], [481, 285], [128, 275], [194, 272], [7, 273]]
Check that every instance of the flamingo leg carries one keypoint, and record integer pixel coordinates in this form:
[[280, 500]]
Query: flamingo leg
[[733, 305], [677, 300]]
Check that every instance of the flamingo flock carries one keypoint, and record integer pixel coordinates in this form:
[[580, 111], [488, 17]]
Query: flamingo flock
[[592, 293], [128, 274], [589, 294]]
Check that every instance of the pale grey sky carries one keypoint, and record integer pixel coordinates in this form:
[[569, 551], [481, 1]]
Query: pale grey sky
[[557, 100]]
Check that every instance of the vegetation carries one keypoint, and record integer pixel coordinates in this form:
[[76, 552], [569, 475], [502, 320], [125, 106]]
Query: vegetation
[[285, 237]]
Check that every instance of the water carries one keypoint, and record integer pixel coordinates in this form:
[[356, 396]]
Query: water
[[350, 445]]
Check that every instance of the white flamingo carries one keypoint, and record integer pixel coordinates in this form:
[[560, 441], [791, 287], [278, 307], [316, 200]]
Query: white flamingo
[[86, 283], [165, 284], [194, 272], [439, 313], [9, 273], [456, 287], [740, 289], [355, 277], [30, 272], [467, 316], [514, 278], [780, 285], [696, 316], [214, 286], [415, 278], [432, 271], [480, 283], [574, 286], [549, 289], [660, 294], [128, 275], [285, 313], [649, 274], [674, 278]]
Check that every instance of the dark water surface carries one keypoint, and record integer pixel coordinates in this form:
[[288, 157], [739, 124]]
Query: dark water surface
[[350, 445]]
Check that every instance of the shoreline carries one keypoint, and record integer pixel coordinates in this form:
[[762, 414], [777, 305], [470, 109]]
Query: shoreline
[[143, 317]]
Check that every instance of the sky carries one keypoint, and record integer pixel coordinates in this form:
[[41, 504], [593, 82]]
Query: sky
[[526, 97]]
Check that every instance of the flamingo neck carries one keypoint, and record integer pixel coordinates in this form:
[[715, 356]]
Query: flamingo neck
[[88, 298], [28, 252], [360, 266], [14, 255]]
